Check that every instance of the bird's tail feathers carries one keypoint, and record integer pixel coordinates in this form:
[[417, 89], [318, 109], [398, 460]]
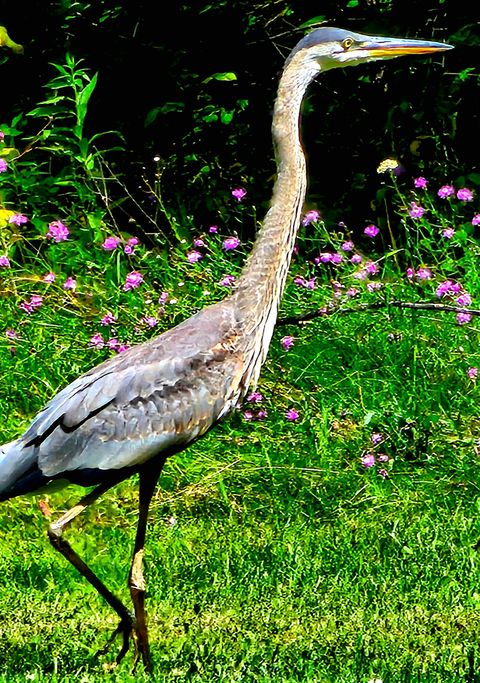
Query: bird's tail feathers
[[15, 460]]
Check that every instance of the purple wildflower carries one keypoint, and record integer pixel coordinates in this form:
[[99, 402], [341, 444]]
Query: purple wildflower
[[336, 258], [111, 243], [255, 397], [36, 300], [423, 274], [476, 219], [311, 216], [448, 287], [11, 334], [97, 341], [376, 438], [382, 458], [356, 259], [130, 245], [57, 231], [463, 318], [231, 243], [292, 414], [227, 280], [163, 298], [325, 257], [213, 229], [150, 320], [133, 280], [416, 211], [410, 272], [121, 348], [383, 473], [49, 277], [464, 299], [302, 282], [371, 231], [347, 246], [198, 242], [4, 262], [108, 319], [113, 343], [351, 292], [29, 306], [70, 284], [420, 183], [472, 373], [449, 232], [18, 219], [194, 256], [239, 193], [368, 460], [371, 268], [465, 195], [287, 342], [446, 191], [3, 165], [2, 136]]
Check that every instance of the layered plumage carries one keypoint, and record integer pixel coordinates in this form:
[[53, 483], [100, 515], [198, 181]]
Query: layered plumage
[[158, 396]]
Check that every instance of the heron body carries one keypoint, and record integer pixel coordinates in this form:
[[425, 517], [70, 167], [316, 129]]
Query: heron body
[[130, 413]]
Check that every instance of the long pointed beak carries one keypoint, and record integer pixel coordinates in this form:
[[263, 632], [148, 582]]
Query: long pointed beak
[[395, 47]]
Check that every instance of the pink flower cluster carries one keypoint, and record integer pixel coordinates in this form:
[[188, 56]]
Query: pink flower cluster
[[29, 306], [454, 290], [57, 231], [302, 282], [111, 243], [132, 281], [420, 274], [311, 216], [98, 342]]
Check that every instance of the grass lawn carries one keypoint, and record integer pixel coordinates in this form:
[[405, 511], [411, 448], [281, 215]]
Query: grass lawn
[[274, 553]]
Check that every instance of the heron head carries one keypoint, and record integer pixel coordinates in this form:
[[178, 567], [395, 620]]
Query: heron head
[[334, 47]]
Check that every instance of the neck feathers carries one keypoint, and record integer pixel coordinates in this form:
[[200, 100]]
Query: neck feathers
[[262, 281]]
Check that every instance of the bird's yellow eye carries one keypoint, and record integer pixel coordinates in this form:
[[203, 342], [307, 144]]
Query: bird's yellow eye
[[348, 42]]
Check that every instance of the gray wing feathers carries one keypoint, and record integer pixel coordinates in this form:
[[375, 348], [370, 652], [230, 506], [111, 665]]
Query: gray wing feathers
[[154, 397]]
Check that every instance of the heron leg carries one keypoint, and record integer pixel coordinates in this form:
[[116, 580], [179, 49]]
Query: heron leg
[[55, 535], [148, 480]]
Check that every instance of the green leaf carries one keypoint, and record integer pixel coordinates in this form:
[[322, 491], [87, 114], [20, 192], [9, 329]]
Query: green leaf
[[6, 41], [83, 99], [226, 116], [474, 178], [223, 76]]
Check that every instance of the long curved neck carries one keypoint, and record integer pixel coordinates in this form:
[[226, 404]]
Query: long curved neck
[[262, 280]]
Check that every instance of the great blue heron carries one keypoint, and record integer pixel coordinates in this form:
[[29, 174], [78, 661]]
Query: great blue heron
[[130, 413]]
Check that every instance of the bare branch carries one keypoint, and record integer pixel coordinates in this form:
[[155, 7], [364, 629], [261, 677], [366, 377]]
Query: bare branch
[[375, 306]]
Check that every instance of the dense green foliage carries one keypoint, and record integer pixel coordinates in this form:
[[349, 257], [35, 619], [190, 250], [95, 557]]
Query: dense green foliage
[[328, 530], [163, 86]]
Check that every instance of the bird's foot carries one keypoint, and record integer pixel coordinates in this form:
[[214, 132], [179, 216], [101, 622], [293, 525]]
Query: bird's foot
[[124, 628], [142, 648], [127, 628]]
